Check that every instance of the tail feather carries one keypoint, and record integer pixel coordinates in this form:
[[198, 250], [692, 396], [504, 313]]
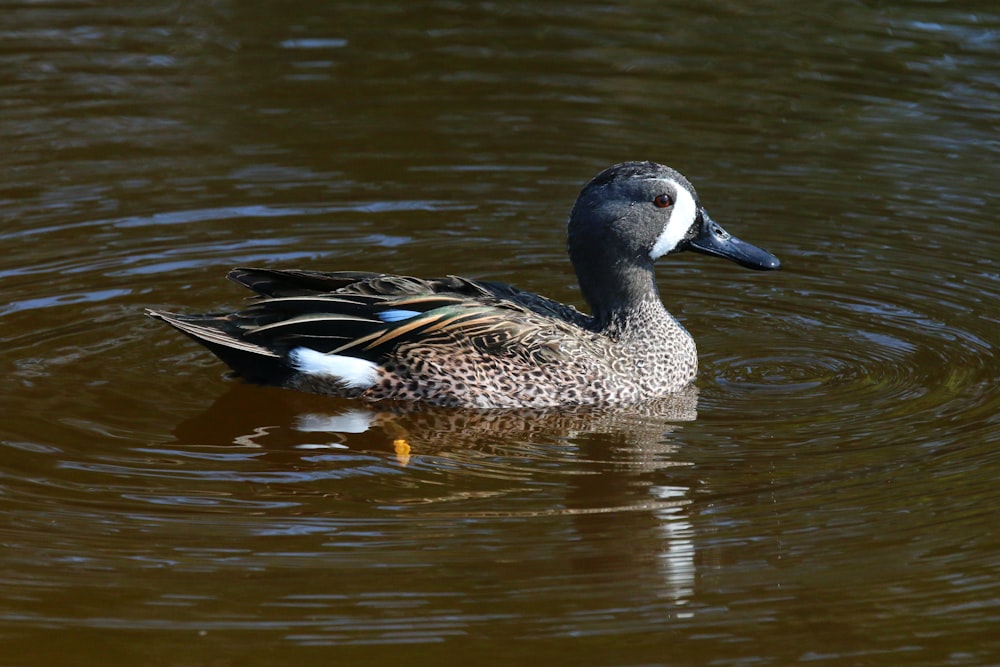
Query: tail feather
[[252, 362]]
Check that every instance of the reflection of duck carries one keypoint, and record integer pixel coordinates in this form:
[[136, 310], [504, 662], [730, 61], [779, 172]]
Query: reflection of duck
[[617, 477], [639, 425], [460, 342], [261, 418]]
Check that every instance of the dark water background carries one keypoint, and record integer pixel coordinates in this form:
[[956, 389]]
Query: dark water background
[[829, 495]]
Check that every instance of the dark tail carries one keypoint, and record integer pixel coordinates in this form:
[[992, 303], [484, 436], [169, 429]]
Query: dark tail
[[217, 332]]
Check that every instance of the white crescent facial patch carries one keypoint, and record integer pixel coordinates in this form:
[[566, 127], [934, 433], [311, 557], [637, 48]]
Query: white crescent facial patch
[[682, 216]]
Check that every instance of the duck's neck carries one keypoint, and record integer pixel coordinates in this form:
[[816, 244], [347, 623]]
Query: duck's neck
[[623, 300]]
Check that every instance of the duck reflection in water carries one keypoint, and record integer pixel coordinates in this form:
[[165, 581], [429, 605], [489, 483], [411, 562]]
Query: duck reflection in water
[[612, 477], [261, 417]]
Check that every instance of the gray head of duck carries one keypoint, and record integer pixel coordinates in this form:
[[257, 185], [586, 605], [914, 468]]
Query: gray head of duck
[[630, 215]]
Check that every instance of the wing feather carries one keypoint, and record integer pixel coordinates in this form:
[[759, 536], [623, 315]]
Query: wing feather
[[338, 313]]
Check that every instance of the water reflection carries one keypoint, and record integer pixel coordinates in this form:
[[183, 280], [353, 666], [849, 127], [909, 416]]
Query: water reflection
[[291, 418], [600, 470]]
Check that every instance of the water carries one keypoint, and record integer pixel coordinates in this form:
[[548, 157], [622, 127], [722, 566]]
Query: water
[[827, 493]]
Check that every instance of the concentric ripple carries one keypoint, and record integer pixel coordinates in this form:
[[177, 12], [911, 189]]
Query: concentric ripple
[[856, 357]]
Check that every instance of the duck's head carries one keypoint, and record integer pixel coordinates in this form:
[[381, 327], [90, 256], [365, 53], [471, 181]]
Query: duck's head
[[632, 214]]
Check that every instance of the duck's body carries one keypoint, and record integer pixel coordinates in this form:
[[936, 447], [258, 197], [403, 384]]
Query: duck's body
[[460, 342], [450, 341]]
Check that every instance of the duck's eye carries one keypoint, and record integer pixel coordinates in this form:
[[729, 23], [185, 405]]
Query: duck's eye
[[663, 201]]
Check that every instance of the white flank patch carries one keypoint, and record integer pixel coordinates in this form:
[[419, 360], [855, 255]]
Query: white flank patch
[[682, 216], [353, 372]]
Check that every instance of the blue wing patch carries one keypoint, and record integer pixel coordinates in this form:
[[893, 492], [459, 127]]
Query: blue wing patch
[[397, 315]]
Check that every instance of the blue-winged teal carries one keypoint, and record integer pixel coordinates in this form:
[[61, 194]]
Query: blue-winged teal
[[460, 342]]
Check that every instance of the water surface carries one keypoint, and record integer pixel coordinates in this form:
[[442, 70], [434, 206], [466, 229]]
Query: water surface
[[825, 493]]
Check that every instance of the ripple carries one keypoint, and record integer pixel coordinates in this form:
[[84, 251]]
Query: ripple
[[854, 358]]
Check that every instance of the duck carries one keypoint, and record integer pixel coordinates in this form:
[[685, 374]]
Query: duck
[[465, 343]]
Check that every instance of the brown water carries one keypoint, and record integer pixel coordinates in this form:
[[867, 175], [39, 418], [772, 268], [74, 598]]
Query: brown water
[[828, 495]]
